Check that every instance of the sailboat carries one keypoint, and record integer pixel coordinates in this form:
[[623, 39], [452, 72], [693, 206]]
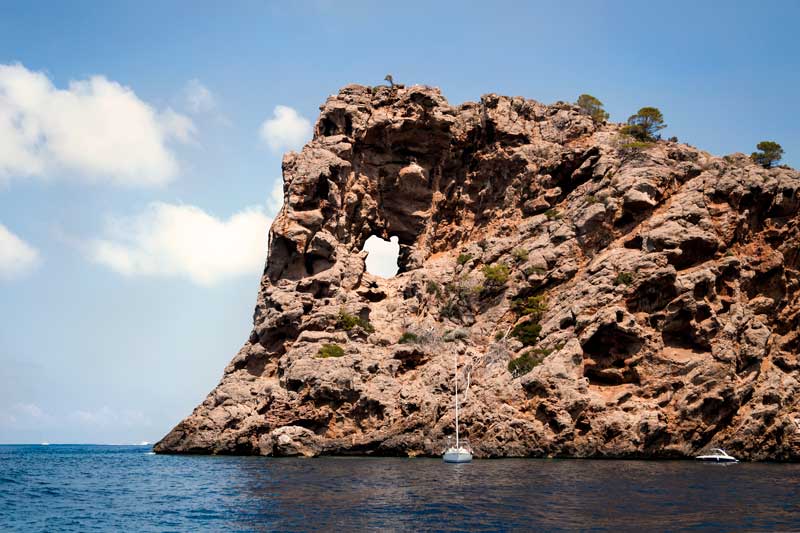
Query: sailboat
[[460, 453]]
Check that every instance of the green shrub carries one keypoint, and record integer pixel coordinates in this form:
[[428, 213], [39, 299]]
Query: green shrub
[[527, 332], [463, 259], [408, 338], [535, 306], [458, 288], [592, 107], [552, 214], [592, 199], [623, 278], [527, 361], [330, 350], [432, 287], [637, 145], [769, 154], [347, 322], [496, 275], [520, 254], [455, 335], [633, 150], [451, 309], [499, 336]]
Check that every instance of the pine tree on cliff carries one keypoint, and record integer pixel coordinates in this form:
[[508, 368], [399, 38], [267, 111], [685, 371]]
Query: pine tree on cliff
[[592, 107], [645, 124], [769, 153]]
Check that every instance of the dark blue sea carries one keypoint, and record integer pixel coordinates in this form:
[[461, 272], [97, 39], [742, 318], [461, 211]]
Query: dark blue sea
[[126, 488]]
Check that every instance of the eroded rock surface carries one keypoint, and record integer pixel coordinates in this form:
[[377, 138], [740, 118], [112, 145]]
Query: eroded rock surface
[[666, 281]]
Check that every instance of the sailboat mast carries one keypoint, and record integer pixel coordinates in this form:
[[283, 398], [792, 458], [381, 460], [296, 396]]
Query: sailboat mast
[[455, 377]]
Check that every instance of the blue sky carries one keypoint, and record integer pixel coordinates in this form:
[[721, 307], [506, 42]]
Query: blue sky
[[137, 174]]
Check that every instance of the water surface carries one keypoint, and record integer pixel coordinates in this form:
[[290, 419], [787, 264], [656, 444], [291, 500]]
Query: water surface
[[102, 488]]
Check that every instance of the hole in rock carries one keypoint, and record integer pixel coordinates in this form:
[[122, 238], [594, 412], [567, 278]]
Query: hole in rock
[[383, 255]]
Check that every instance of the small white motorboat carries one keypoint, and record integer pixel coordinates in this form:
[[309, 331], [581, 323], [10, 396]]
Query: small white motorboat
[[461, 452], [717, 455]]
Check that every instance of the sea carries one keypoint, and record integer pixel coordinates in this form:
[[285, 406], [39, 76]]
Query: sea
[[128, 488]]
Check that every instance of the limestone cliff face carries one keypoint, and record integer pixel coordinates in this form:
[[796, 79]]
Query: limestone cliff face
[[664, 281]]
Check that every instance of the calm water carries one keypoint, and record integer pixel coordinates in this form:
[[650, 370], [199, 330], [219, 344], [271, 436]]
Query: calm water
[[102, 488]]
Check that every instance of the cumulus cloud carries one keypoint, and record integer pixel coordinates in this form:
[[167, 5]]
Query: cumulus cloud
[[16, 256], [183, 240], [95, 128], [287, 130], [382, 256], [199, 98]]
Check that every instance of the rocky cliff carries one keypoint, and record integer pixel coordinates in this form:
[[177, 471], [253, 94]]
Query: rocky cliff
[[646, 295]]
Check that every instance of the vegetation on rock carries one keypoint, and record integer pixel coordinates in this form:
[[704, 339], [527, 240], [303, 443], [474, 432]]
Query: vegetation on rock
[[531, 270], [623, 278], [454, 335], [495, 275], [533, 306], [408, 338], [431, 287], [552, 214], [527, 332], [527, 361], [348, 322], [632, 150], [592, 107], [520, 254], [330, 350], [458, 298], [645, 124], [769, 153]]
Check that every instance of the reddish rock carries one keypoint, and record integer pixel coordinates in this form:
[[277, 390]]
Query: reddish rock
[[670, 278]]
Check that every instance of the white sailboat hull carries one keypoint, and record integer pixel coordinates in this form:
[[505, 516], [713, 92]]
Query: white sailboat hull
[[457, 456]]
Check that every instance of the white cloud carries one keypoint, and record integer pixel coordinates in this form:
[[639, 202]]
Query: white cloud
[[178, 126], [16, 256], [287, 130], [183, 240], [382, 258], [199, 98], [275, 199], [95, 128]]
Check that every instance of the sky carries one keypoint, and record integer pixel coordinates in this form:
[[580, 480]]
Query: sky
[[141, 145]]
